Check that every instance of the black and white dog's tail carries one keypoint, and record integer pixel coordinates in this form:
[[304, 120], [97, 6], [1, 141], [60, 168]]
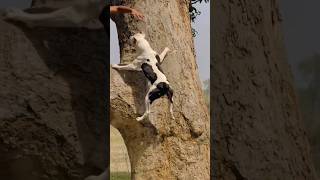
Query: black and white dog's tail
[[170, 97]]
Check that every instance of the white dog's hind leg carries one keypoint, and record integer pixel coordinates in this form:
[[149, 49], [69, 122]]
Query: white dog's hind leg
[[147, 111], [147, 104]]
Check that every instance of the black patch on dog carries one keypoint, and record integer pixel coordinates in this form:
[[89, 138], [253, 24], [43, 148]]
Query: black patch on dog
[[158, 58], [134, 41], [159, 67], [149, 73], [162, 89]]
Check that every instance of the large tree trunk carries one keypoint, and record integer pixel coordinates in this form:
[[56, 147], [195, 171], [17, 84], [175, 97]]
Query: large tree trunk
[[258, 130], [167, 149], [52, 107]]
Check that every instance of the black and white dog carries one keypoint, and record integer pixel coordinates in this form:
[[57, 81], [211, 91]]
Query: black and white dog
[[149, 62]]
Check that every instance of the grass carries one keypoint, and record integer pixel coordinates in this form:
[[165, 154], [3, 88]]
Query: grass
[[120, 176], [118, 153]]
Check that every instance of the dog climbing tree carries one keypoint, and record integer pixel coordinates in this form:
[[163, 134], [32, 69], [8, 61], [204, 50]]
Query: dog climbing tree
[[162, 148]]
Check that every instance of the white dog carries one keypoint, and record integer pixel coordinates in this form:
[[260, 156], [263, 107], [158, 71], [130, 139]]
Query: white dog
[[149, 62]]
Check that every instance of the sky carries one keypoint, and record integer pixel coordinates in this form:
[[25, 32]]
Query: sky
[[202, 41]]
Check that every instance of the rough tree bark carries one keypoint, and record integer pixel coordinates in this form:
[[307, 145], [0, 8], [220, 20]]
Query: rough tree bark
[[167, 149], [52, 107], [258, 133]]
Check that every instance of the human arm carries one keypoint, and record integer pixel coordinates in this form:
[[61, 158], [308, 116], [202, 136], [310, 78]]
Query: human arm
[[75, 15], [126, 10]]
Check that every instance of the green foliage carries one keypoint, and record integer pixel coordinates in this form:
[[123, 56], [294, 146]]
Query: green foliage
[[120, 176], [194, 12]]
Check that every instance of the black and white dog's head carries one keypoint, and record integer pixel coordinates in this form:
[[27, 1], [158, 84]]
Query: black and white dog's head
[[137, 36], [141, 44]]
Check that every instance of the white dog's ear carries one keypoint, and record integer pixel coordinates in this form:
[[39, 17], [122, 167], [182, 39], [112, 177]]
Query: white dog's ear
[[133, 40]]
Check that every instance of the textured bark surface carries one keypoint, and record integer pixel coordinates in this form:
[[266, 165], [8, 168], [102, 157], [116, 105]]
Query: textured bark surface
[[164, 148], [53, 4], [258, 130], [52, 108]]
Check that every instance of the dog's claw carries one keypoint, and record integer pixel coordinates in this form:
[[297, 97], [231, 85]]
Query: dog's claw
[[140, 118]]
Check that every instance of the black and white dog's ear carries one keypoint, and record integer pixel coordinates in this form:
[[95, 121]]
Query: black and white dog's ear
[[143, 35], [133, 40]]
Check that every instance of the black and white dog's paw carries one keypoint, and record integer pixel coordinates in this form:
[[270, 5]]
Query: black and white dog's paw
[[140, 118], [144, 116], [168, 50], [115, 66]]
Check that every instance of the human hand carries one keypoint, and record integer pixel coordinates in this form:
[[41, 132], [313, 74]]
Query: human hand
[[137, 15]]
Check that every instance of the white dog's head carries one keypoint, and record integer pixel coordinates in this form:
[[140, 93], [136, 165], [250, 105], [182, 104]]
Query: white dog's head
[[139, 41], [137, 37]]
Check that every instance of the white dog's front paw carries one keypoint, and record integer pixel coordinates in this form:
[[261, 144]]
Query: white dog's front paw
[[115, 66]]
